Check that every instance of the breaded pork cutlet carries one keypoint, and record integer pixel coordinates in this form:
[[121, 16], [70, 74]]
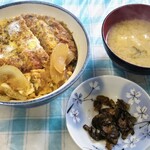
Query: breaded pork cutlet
[[50, 31], [19, 47], [42, 31]]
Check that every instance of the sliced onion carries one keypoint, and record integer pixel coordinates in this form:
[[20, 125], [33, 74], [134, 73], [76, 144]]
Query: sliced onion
[[70, 57], [13, 77], [11, 93], [59, 56], [55, 75], [58, 62]]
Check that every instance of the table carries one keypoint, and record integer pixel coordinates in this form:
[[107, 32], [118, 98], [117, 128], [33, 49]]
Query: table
[[44, 127]]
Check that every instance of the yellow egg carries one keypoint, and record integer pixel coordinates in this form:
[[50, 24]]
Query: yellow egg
[[32, 44]]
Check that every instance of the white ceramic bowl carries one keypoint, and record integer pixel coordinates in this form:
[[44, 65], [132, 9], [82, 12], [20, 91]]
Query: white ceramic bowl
[[80, 111], [74, 26]]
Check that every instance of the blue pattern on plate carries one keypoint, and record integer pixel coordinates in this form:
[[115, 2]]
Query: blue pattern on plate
[[82, 99]]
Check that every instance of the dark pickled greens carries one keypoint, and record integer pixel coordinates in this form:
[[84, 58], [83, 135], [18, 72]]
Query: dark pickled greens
[[112, 121]]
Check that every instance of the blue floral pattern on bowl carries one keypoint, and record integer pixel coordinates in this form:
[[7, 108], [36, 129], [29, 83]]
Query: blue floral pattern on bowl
[[80, 111]]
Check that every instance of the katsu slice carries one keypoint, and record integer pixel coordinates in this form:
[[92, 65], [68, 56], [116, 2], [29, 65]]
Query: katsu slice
[[42, 31], [50, 32], [63, 34], [8, 48], [19, 47]]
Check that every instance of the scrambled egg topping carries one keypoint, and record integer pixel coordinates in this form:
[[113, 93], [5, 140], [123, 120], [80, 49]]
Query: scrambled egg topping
[[30, 47]]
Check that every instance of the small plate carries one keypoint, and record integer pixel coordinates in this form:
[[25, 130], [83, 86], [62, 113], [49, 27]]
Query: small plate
[[80, 111]]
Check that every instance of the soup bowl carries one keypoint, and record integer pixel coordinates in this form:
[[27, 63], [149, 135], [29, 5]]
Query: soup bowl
[[78, 33], [120, 14]]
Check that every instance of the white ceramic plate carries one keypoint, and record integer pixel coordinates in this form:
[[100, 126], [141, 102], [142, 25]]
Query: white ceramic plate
[[80, 111]]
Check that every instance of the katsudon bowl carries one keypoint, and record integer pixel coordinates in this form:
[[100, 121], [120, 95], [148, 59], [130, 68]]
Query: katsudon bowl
[[75, 28]]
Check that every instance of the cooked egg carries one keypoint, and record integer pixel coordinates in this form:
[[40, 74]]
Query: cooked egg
[[130, 40]]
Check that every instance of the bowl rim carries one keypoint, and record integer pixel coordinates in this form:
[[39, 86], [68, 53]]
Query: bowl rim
[[144, 68], [48, 98]]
